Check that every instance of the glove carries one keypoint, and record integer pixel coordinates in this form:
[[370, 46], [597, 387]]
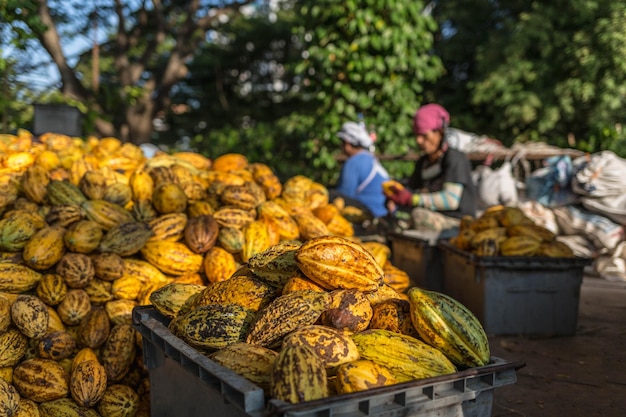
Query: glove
[[403, 197]]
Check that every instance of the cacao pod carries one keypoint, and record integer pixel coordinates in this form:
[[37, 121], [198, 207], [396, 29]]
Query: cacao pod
[[298, 375], [336, 262], [446, 324]]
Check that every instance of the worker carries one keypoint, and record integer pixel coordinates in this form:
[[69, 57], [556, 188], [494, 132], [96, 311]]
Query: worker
[[440, 191], [362, 175]]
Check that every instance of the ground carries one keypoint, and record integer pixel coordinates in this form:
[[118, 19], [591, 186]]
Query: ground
[[578, 376]]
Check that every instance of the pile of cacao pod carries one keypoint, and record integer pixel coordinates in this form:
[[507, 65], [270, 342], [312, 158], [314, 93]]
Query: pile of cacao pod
[[90, 228], [327, 316], [507, 231]]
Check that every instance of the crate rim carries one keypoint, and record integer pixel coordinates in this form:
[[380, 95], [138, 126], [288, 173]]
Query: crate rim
[[276, 407], [518, 262]]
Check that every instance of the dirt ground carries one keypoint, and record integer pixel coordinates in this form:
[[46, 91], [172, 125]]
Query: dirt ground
[[578, 376]]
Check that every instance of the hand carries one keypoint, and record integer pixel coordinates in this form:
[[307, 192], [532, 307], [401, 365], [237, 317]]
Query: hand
[[402, 197]]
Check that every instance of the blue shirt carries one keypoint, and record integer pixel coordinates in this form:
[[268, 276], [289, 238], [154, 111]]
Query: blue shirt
[[361, 178]]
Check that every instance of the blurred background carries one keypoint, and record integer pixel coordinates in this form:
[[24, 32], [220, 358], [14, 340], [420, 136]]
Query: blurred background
[[275, 79]]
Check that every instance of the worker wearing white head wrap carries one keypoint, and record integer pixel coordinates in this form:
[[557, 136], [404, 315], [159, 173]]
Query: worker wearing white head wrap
[[355, 135], [362, 174]]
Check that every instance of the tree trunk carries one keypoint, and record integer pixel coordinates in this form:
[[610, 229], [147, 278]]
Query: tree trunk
[[139, 122]]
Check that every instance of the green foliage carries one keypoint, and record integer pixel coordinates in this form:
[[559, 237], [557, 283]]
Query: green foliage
[[367, 57], [359, 57], [557, 71], [611, 138], [15, 111]]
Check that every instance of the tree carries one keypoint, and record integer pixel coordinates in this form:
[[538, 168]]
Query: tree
[[328, 62], [550, 71], [370, 57], [466, 26], [14, 110], [148, 46]]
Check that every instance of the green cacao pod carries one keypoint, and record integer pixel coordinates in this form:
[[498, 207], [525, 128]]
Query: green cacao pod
[[448, 325]]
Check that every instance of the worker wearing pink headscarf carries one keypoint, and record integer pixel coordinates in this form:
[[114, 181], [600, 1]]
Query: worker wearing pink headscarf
[[440, 190]]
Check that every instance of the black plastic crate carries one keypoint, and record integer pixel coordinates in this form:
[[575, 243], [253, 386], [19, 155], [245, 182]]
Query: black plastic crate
[[417, 253], [185, 383], [516, 295]]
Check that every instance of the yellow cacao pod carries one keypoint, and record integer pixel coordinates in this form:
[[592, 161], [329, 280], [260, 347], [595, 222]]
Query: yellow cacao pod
[[340, 226], [555, 249], [56, 345], [83, 236], [511, 216], [30, 315], [298, 375], [169, 226], [108, 266], [406, 357], [119, 400], [45, 248], [118, 193], [349, 310], [34, 182], [483, 223], [230, 162], [120, 311], [310, 226], [41, 380], [256, 239], [333, 346], [88, 382], [299, 283], [84, 354], [9, 399], [93, 185], [170, 298], [118, 353], [275, 214], [17, 278], [535, 231], [94, 329], [240, 196], [244, 290], [169, 197], [395, 277], [276, 264], [63, 192], [252, 362], [393, 315], [218, 264], [173, 258], [336, 262], [519, 246], [141, 185], [106, 214], [361, 375], [13, 347], [74, 307], [64, 215], [285, 314], [230, 239], [195, 159], [228, 216], [5, 312]]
